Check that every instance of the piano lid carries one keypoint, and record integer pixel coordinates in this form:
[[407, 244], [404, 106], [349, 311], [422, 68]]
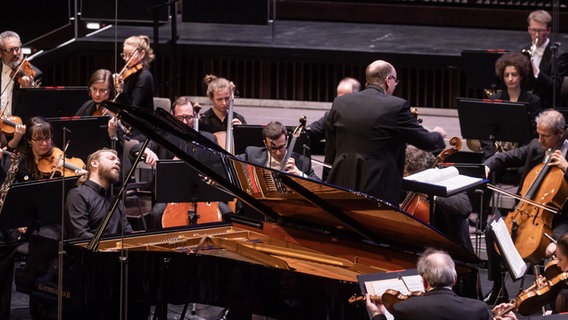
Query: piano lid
[[290, 199]]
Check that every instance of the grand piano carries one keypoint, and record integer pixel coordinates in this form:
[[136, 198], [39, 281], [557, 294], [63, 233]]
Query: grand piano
[[301, 262]]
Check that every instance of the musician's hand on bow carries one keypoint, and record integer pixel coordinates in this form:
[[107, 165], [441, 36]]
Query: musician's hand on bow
[[291, 167], [118, 82], [111, 128], [558, 160], [151, 157], [550, 250], [375, 307], [507, 316]]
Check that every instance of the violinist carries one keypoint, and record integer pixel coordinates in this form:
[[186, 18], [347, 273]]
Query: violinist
[[134, 84], [439, 301], [13, 60], [550, 126], [219, 91], [100, 88], [450, 213]]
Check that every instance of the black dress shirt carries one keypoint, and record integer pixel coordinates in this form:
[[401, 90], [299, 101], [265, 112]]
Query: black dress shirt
[[86, 206]]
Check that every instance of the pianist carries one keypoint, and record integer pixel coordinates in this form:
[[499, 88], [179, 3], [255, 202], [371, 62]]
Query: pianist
[[87, 204]]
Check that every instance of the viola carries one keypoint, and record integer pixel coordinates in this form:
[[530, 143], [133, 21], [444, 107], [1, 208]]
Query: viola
[[417, 204], [527, 224], [128, 71], [24, 70], [8, 124], [54, 163]]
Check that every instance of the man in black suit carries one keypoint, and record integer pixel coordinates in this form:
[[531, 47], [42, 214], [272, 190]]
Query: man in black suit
[[366, 136], [12, 58], [275, 138], [439, 301], [539, 28]]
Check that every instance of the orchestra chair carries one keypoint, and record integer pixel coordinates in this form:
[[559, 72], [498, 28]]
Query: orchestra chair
[[164, 103]]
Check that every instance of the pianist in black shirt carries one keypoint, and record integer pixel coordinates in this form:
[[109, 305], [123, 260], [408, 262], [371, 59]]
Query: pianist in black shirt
[[87, 204]]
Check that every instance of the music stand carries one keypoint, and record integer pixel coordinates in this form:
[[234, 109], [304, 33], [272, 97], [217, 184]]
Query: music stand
[[485, 119], [190, 186], [35, 203], [48, 101], [87, 134]]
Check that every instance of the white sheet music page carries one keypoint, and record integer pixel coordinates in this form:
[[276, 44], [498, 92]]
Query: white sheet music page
[[516, 264], [378, 287]]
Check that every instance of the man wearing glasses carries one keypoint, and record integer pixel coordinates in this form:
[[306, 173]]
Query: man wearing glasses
[[12, 58], [367, 133], [541, 55], [275, 139]]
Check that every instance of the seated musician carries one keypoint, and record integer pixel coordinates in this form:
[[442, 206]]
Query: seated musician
[[220, 92], [88, 203], [439, 301], [13, 59], [183, 110], [101, 88], [550, 126], [451, 213], [275, 138], [32, 163]]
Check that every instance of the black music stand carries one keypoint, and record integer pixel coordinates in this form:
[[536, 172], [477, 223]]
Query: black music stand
[[87, 134], [35, 203], [485, 119], [188, 187]]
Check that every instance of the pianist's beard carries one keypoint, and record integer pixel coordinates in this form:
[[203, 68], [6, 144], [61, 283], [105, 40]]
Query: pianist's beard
[[110, 173]]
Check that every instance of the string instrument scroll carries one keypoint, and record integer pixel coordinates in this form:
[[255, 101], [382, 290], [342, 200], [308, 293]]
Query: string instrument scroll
[[297, 131], [417, 204], [528, 224]]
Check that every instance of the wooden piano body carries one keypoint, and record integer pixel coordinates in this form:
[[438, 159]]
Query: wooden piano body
[[303, 264]]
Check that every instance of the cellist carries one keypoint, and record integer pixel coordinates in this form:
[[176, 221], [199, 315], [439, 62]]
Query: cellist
[[550, 127]]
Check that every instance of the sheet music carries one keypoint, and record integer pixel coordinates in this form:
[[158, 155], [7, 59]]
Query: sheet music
[[378, 287], [448, 177], [517, 266]]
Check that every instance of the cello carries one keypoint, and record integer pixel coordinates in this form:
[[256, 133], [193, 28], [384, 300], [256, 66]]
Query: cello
[[528, 223], [417, 204]]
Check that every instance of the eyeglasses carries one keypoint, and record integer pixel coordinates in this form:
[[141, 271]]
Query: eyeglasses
[[395, 79], [186, 118], [13, 50], [535, 30], [41, 139], [126, 55], [99, 91], [276, 148]]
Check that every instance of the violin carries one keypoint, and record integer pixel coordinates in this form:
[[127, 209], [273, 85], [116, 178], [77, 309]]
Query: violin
[[128, 71], [417, 204], [8, 124], [531, 299], [25, 70], [389, 298], [54, 163]]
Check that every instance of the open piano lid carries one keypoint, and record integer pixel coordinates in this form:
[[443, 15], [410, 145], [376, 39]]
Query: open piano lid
[[289, 199]]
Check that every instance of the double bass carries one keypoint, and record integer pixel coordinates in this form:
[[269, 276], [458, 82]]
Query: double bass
[[528, 223]]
